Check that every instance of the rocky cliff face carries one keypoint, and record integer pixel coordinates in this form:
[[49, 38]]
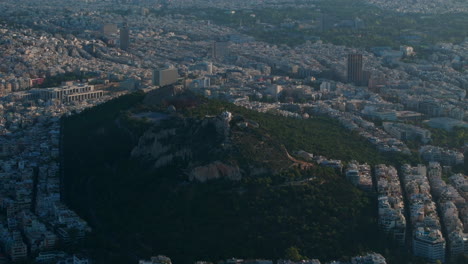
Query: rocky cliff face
[[198, 146], [215, 170], [156, 146]]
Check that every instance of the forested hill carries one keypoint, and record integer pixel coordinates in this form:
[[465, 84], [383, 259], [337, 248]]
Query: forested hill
[[134, 169]]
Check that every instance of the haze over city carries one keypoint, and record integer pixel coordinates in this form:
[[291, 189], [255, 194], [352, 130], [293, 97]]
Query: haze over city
[[234, 132]]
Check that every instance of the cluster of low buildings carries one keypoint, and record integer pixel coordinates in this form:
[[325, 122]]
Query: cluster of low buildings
[[66, 93], [369, 258], [427, 239], [446, 123], [376, 136], [30, 57], [221, 62], [328, 162], [438, 212], [460, 182], [321, 160], [444, 156], [407, 132], [359, 175], [452, 210], [391, 208], [422, 6], [234, 68], [34, 220]]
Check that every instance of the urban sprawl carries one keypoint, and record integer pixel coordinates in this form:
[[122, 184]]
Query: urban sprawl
[[107, 54]]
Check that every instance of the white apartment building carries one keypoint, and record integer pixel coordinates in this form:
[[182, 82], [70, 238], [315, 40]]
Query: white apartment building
[[429, 243]]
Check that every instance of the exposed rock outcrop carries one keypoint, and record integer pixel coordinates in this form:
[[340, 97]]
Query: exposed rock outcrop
[[196, 144], [156, 146], [209, 148], [215, 170]]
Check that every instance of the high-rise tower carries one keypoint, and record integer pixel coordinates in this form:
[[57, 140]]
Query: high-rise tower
[[124, 38], [355, 74], [220, 49]]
